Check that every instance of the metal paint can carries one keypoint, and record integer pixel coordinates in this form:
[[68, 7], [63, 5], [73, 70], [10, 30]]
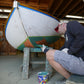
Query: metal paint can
[[43, 77]]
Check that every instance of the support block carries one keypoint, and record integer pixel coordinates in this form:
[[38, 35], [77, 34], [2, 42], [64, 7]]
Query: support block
[[26, 60], [25, 63]]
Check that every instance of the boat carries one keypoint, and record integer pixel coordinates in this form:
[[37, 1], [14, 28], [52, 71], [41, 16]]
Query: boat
[[30, 27]]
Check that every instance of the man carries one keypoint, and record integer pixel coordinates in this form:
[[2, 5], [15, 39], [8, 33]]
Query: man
[[70, 58]]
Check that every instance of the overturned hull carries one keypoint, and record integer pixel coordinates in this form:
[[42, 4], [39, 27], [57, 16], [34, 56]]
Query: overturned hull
[[28, 27]]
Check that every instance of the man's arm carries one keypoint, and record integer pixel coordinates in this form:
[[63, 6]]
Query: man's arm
[[77, 44], [76, 30]]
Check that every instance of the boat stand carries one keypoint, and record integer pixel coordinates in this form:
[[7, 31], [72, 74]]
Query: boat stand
[[27, 61]]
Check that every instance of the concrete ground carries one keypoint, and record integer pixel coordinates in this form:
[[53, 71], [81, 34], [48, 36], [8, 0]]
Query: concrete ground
[[10, 71]]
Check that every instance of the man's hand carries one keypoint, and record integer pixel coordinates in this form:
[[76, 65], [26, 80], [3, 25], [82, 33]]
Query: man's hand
[[43, 47], [65, 50]]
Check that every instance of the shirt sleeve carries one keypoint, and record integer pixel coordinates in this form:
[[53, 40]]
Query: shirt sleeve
[[77, 44]]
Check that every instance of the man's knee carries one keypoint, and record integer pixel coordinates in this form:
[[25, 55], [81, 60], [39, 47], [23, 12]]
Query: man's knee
[[50, 54]]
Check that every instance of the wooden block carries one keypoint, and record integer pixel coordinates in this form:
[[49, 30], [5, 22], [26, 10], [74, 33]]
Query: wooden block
[[25, 72]]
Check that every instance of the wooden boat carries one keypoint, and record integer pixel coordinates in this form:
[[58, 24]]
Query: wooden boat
[[29, 27]]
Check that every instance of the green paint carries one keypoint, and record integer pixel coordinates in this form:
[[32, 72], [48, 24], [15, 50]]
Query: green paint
[[49, 40], [21, 47], [33, 39]]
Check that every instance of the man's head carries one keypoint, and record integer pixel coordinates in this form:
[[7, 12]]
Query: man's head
[[61, 28]]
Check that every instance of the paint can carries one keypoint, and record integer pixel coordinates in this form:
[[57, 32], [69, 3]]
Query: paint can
[[43, 77]]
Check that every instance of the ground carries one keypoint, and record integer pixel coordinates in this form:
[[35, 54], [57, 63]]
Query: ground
[[10, 71]]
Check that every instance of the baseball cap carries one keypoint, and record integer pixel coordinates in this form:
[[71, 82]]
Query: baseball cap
[[56, 29]]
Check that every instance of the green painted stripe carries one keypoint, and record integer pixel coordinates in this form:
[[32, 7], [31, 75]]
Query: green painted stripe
[[20, 47], [49, 39], [44, 36], [33, 39]]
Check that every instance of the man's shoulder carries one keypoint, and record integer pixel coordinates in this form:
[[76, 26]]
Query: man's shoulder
[[73, 22]]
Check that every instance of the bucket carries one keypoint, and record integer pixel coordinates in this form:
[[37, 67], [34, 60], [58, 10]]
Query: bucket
[[43, 77]]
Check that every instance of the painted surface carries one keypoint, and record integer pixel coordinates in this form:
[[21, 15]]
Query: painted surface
[[27, 27]]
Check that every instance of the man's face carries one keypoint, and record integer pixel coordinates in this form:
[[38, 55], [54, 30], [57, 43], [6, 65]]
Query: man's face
[[62, 28]]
